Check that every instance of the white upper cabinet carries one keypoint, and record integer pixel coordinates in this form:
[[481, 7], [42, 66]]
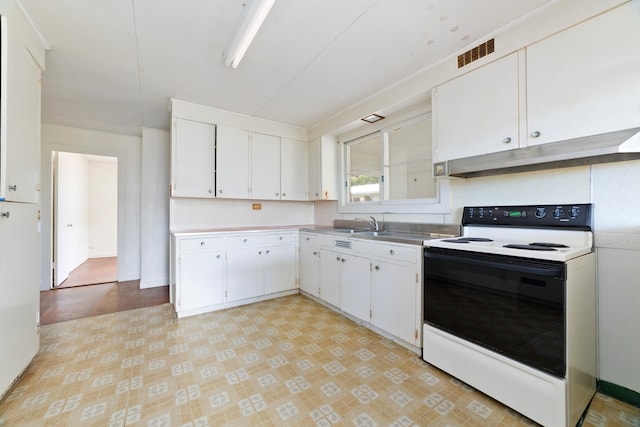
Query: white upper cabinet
[[20, 141], [477, 113], [265, 167], [585, 80], [232, 167], [293, 170], [322, 168], [194, 159], [579, 82]]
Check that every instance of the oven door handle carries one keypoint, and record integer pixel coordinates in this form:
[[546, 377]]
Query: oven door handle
[[549, 271]]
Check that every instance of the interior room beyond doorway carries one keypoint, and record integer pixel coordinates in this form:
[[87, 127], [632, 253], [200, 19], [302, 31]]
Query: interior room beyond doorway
[[85, 206]]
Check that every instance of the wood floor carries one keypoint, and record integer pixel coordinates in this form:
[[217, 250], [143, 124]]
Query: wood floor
[[58, 305], [92, 271]]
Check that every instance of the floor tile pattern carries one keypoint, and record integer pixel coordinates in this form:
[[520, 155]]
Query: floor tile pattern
[[283, 362]]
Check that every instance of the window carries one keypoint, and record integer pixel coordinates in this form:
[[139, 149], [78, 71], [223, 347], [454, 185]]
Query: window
[[364, 170], [389, 170]]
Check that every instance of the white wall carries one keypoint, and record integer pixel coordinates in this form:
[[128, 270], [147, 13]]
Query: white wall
[[103, 207], [156, 152], [202, 214], [127, 150]]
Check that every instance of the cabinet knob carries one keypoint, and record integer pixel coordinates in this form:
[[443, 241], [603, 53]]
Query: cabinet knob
[[219, 256], [259, 252], [315, 252], [281, 237], [535, 134], [245, 241], [284, 194], [338, 259], [317, 194], [507, 140], [220, 191], [306, 238], [13, 187], [202, 243], [342, 259], [377, 267], [210, 191], [5, 214], [277, 194], [267, 251]]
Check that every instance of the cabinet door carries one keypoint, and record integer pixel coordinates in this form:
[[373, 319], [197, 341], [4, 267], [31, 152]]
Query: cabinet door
[[20, 155], [244, 273], [265, 167], [193, 172], [293, 168], [584, 81], [355, 290], [477, 113], [232, 163], [394, 292], [310, 269], [202, 279], [279, 268], [330, 262], [20, 288], [322, 168]]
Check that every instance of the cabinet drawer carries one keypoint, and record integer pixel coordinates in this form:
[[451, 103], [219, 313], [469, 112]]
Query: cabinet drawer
[[400, 253], [354, 246], [284, 238], [248, 239], [201, 244], [310, 239]]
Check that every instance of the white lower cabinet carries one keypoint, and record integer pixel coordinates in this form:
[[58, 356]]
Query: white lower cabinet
[[396, 291], [201, 272], [219, 270], [355, 292], [309, 263], [280, 262]]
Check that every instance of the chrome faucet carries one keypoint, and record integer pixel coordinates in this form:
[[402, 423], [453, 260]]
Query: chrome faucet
[[374, 223]]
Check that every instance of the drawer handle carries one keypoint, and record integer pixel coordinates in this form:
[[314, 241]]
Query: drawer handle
[[202, 243], [5, 214], [391, 251], [13, 187]]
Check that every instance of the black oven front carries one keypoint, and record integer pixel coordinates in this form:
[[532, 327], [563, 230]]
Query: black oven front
[[510, 305]]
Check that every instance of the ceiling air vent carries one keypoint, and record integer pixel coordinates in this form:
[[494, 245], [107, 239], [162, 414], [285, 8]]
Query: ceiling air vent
[[476, 53]]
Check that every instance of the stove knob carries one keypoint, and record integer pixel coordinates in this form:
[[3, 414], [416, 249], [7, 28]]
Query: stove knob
[[557, 212], [574, 212], [541, 212]]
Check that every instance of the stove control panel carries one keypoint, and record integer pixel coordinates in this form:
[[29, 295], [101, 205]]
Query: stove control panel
[[577, 216]]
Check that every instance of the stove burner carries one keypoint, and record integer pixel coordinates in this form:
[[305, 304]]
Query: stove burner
[[549, 245], [468, 240], [530, 247]]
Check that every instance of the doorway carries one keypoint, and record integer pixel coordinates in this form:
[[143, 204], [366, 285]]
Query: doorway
[[84, 220]]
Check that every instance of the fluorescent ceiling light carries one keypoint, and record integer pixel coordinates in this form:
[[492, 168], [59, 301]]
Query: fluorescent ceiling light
[[250, 22]]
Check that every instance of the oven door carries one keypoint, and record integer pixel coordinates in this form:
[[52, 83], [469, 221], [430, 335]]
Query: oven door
[[513, 306]]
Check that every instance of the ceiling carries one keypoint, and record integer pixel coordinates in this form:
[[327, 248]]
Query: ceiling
[[113, 65]]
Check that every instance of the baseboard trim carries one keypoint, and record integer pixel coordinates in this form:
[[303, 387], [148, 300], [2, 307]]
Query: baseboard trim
[[154, 283], [619, 392]]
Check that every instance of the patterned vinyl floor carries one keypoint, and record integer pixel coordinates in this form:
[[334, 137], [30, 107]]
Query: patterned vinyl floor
[[283, 362]]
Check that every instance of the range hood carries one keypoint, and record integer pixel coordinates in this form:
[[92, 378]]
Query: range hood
[[602, 148]]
